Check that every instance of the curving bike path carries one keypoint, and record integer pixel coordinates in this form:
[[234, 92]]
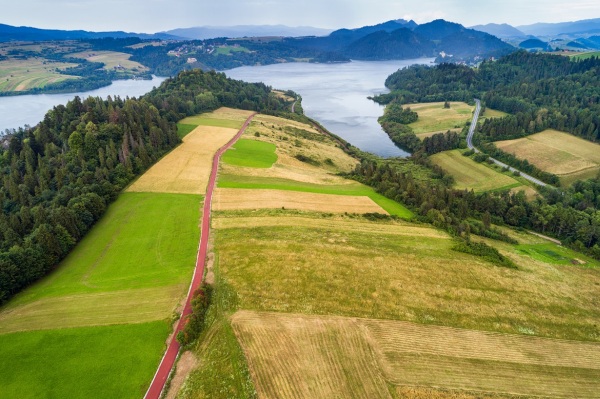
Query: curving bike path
[[168, 360], [501, 164]]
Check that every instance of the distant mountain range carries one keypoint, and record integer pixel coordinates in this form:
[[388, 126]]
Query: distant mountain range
[[209, 32], [588, 26], [400, 39], [500, 30], [24, 33]]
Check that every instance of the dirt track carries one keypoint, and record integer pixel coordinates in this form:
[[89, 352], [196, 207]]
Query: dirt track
[[166, 364]]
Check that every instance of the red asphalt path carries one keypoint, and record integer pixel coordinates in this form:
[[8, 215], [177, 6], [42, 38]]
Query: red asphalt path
[[168, 360]]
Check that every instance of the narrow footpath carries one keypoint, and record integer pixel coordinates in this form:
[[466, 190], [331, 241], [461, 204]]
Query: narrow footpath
[[501, 164], [168, 360]]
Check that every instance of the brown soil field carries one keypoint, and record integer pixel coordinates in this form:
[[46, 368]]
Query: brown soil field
[[299, 356], [556, 152], [232, 198], [185, 169]]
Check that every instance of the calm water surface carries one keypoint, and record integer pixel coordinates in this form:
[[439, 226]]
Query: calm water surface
[[336, 96], [17, 111]]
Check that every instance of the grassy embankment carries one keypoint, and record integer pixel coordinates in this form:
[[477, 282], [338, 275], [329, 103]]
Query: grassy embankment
[[319, 271], [570, 158], [97, 326]]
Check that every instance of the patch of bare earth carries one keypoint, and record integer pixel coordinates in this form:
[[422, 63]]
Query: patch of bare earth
[[186, 363]]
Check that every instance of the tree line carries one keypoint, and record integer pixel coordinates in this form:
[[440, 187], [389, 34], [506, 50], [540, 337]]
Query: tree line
[[59, 177]]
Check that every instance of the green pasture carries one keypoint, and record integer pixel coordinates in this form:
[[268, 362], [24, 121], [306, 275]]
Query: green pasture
[[251, 153], [87, 362], [184, 129], [206, 121], [555, 254], [227, 50], [144, 240], [353, 189]]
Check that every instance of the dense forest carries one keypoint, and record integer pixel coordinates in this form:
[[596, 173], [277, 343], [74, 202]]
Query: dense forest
[[59, 176], [540, 91], [572, 215]]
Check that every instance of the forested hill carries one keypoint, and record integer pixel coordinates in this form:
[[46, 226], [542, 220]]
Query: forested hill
[[59, 177], [540, 91]]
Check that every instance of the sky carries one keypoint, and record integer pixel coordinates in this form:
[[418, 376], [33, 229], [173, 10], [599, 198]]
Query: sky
[[151, 16]]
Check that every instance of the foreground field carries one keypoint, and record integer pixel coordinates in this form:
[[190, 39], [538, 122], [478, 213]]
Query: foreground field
[[20, 75], [434, 118], [291, 283], [325, 357], [86, 362], [471, 175], [563, 154]]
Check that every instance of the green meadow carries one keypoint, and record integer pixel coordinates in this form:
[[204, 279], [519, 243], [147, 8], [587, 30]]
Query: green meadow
[[251, 153], [353, 189], [87, 362], [97, 325]]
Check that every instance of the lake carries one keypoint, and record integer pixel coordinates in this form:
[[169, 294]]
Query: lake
[[17, 111], [336, 96]]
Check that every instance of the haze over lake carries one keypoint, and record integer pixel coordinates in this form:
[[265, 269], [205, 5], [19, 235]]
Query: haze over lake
[[336, 96], [17, 111]]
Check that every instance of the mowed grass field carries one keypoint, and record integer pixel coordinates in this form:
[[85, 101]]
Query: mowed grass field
[[471, 175], [114, 361], [251, 153], [569, 157], [326, 357], [434, 118], [20, 75]]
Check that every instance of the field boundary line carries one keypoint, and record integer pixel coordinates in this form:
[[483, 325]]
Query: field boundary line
[[168, 360]]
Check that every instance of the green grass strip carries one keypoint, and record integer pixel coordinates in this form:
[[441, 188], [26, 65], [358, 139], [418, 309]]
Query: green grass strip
[[184, 129], [90, 362], [353, 189], [251, 153]]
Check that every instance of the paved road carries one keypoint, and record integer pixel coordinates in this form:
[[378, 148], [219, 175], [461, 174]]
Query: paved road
[[166, 364], [501, 164]]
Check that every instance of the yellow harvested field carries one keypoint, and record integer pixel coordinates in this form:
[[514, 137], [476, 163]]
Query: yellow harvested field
[[434, 118], [186, 169], [300, 356], [236, 198], [96, 309], [556, 152], [396, 228], [295, 356]]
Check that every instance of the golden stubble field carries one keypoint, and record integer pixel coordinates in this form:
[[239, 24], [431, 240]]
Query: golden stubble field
[[300, 356], [569, 157], [239, 198]]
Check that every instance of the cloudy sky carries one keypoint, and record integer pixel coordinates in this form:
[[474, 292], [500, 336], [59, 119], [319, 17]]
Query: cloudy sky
[[159, 15]]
